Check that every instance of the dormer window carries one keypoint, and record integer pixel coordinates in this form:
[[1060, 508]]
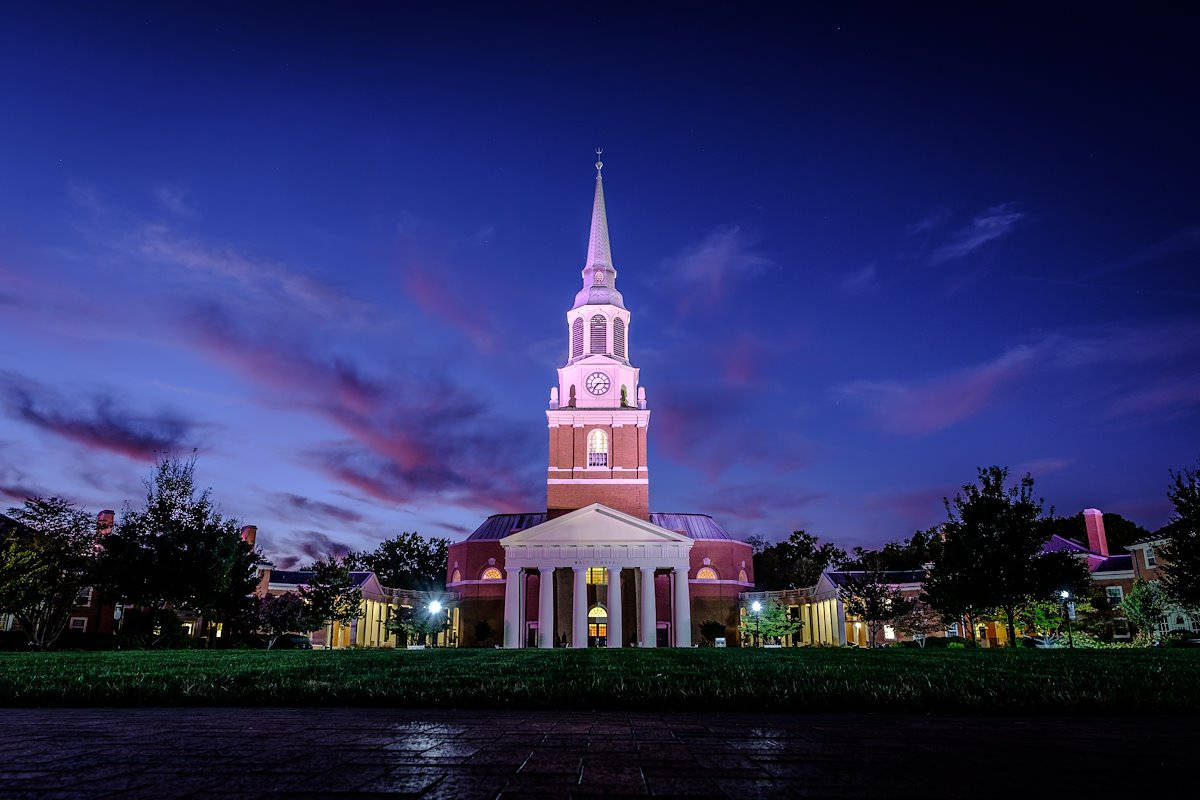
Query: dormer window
[[597, 448]]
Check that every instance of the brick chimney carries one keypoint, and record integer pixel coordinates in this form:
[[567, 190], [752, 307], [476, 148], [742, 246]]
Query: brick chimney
[[104, 522], [1093, 518], [250, 533]]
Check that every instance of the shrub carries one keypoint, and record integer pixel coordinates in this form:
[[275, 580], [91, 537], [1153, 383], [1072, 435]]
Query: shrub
[[1180, 638], [956, 646]]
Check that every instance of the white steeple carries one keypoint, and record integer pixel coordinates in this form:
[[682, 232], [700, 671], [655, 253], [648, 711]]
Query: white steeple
[[599, 275]]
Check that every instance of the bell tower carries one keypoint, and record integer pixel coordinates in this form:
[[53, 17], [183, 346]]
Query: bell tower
[[598, 417]]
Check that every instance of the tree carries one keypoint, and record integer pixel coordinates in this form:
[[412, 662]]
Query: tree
[[284, 613], [47, 555], [796, 562], [912, 553], [332, 595], [990, 552], [918, 622], [872, 597], [177, 551], [416, 623], [1181, 554], [772, 622], [406, 561], [1145, 606], [484, 633]]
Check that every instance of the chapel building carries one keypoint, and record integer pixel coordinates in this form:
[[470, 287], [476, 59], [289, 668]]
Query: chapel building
[[597, 567]]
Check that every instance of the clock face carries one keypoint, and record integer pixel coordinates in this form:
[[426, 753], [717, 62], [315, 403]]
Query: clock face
[[598, 277], [597, 383]]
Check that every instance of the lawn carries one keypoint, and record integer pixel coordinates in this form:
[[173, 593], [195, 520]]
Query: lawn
[[698, 679]]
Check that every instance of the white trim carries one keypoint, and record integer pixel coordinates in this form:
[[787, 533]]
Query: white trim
[[71, 624], [1112, 575], [617, 481], [476, 582], [703, 582]]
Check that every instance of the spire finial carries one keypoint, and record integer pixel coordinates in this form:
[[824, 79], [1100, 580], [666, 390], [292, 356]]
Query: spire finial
[[599, 163]]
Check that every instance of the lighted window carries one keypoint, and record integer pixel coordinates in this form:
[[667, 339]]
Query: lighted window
[[706, 574], [577, 338], [599, 334], [742, 576], [597, 445], [889, 632], [597, 576], [456, 577], [619, 337], [597, 622], [492, 574]]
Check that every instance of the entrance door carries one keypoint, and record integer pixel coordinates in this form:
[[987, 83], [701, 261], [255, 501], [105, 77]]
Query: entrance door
[[531, 629], [663, 634], [597, 627]]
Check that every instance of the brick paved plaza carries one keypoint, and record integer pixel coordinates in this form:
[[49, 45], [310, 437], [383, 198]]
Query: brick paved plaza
[[265, 753]]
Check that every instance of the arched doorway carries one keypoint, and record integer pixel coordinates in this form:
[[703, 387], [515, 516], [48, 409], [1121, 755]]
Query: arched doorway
[[597, 626]]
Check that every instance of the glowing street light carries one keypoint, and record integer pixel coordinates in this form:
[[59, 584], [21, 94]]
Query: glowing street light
[[435, 607], [1065, 595], [756, 607]]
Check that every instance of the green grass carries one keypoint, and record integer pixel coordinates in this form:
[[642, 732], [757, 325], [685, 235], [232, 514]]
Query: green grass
[[700, 679]]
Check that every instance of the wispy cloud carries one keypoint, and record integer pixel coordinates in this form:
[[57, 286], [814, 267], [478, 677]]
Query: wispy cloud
[[99, 422], [705, 271], [932, 405], [1178, 243], [917, 508], [929, 222], [283, 285], [1170, 395], [295, 507], [985, 227], [861, 281], [433, 295], [174, 199]]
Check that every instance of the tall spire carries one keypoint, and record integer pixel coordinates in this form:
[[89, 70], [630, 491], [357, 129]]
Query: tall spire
[[599, 274], [599, 249]]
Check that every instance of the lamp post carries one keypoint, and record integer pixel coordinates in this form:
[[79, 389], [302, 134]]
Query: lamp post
[[435, 608], [1067, 616], [756, 607]]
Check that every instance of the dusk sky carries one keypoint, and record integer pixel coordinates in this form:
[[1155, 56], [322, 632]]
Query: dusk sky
[[332, 247]]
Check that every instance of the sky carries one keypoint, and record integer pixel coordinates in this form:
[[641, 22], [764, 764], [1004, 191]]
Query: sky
[[330, 248]]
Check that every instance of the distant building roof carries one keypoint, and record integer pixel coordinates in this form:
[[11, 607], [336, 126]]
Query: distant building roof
[[1058, 544], [693, 526], [300, 577], [893, 576]]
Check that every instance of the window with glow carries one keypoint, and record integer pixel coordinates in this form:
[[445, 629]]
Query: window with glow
[[492, 574], [743, 577], [889, 632], [599, 334], [597, 576], [577, 338], [456, 577], [619, 337], [597, 445], [706, 574], [597, 622]]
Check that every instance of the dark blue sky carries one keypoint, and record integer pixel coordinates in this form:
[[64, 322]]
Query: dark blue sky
[[864, 254]]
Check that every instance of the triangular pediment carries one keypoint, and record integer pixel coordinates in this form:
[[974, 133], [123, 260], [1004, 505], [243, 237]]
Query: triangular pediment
[[596, 524]]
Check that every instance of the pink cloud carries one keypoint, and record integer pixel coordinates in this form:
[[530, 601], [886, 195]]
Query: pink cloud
[[917, 508], [705, 271], [933, 405], [431, 293]]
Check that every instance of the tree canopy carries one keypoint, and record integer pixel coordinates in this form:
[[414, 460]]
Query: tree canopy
[[796, 562], [989, 556], [1118, 531], [47, 555], [1181, 555], [406, 561]]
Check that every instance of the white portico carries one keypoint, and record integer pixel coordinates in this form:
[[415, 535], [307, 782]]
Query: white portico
[[594, 539]]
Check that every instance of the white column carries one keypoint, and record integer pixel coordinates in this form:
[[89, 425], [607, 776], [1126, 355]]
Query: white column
[[546, 607], [648, 627], [579, 609], [841, 621], [683, 609], [512, 608], [616, 634]]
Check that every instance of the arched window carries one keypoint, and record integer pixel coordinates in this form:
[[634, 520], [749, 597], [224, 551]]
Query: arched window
[[456, 577], [599, 334], [492, 574], [619, 337], [597, 622], [597, 443], [577, 338], [706, 574], [742, 577]]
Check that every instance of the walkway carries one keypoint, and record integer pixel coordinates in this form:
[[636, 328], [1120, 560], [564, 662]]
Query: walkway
[[309, 753]]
